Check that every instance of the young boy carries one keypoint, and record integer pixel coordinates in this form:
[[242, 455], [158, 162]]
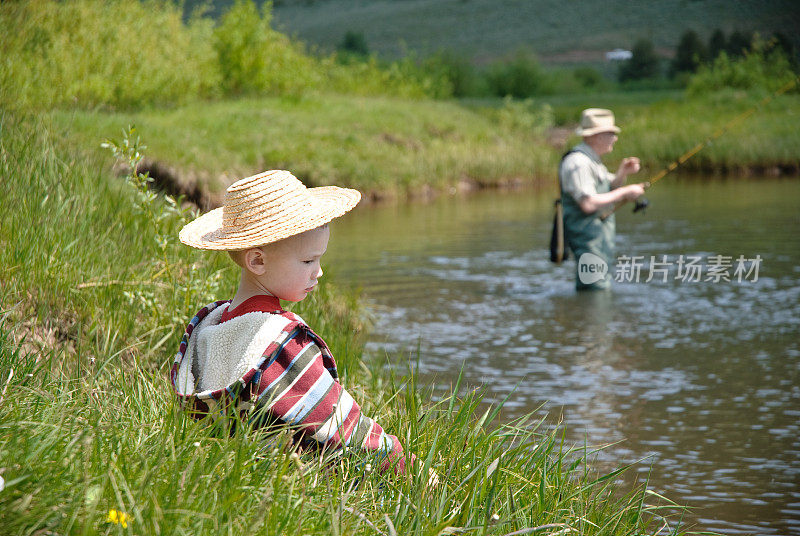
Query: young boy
[[249, 353]]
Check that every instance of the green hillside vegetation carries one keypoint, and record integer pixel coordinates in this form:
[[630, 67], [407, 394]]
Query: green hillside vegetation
[[486, 29]]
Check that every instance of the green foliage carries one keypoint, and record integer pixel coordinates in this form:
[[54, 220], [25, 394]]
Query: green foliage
[[354, 43], [525, 115], [644, 64], [762, 67], [590, 79], [254, 58], [520, 77], [123, 54], [370, 76], [716, 44], [133, 54], [690, 54], [738, 43], [459, 72]]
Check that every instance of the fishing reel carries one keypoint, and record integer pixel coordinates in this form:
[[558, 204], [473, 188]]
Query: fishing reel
[[642, 203]]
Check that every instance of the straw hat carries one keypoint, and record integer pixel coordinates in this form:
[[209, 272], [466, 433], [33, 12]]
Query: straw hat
[[596, 120], [265, 208]]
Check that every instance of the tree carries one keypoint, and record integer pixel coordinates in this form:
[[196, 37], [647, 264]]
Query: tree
[[690, 54], [738, 44], [643, 64], [781, 43], [716, 44], [354, 43]]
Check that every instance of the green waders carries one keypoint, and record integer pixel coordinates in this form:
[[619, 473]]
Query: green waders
[[587, 233]]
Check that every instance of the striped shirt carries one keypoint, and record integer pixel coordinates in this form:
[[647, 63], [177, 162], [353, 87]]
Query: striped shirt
[[263, 360]]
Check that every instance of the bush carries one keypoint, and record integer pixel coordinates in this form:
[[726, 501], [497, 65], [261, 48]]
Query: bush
[[354, 43], [458, 71], [132, 54], [125, 54], [253, 57], [520, 77], [763, 67], [525, 115]]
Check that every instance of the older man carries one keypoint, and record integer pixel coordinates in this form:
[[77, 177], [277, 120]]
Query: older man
[[588, 193]]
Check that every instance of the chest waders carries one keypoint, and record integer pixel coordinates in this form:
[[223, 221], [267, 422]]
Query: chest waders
[[588, 233]]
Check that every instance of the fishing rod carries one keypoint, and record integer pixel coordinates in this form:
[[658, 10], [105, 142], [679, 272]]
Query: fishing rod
[[642, 203]]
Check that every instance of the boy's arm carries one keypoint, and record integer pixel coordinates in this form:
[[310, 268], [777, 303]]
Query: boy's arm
[[297, 388]]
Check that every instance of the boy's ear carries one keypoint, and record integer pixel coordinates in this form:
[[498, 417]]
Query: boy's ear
[[254, 261]]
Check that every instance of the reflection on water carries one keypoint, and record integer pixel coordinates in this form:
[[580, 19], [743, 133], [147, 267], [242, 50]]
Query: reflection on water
[[699, 380]]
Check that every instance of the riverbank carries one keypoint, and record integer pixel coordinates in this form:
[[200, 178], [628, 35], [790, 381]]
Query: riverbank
[[392, 148], [385, 147], [95, 290]]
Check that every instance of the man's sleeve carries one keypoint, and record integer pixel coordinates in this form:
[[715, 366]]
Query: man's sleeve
[[576, 177], [297, 388]]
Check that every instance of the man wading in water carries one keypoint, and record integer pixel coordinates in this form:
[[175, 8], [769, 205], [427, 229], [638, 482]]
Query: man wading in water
[[588, 191]]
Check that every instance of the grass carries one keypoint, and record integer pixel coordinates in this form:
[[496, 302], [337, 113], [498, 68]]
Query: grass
[[390, 147], [379, 145], [92, 309]]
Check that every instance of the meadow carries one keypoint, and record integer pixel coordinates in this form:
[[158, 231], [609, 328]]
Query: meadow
[[95, 292], [96, 289]]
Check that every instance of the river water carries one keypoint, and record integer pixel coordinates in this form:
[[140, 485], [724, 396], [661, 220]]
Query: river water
[[697, 383]]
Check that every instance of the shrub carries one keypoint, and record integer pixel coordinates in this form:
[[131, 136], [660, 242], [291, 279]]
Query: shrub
[[252, 57], [762, 68], [520, 77], [132, 54], [354, 43], [126, 53], [525, 115], [458, 71]]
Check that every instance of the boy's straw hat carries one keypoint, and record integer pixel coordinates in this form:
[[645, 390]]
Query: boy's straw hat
[[596, 120], [265, 208]]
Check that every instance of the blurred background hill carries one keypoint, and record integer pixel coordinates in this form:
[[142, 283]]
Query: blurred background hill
[[558, 32]]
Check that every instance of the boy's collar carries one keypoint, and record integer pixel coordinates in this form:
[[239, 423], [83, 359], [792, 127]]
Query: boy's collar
[[260, 303]]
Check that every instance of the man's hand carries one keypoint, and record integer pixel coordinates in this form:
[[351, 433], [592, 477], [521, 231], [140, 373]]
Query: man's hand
[[633, 191], [630, 165]]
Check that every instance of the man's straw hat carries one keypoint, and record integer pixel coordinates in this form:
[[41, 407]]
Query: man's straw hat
[[596, 120], [265, 208]]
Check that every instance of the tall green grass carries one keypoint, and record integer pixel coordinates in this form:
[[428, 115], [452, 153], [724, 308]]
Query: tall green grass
[[120, 54], [92, 308]]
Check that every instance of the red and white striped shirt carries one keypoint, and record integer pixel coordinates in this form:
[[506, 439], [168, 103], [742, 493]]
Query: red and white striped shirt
[[260, 358]]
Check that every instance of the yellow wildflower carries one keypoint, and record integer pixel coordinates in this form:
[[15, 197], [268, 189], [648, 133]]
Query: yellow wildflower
[[118, 518]]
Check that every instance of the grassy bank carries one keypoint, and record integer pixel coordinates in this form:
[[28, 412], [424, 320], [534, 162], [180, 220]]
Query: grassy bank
[[92, 308], [385, 146], [390, 147]]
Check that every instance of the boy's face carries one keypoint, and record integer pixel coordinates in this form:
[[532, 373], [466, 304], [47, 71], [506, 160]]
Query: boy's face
[[292, 265]]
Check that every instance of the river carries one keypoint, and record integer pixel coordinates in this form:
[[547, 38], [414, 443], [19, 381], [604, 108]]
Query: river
[[696, 383]]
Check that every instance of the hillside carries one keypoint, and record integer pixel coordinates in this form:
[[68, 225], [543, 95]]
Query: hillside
[[486, 29]]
